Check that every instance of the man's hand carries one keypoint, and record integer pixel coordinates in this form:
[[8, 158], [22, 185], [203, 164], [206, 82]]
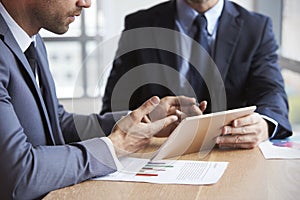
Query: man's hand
[[170, 105], [246, 132], [181, 106], [131, 134]]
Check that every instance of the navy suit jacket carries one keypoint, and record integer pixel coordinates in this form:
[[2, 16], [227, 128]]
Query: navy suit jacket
[[245, 56], [40, 148]]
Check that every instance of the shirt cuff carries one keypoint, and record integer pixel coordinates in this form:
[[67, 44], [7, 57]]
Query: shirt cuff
[[271, 121], [110, 145]]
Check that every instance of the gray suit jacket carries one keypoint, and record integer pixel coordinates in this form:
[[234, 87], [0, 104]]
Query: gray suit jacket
[[40, 148]]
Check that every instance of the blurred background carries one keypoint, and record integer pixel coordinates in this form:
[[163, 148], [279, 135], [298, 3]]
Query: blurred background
[[80, 60]]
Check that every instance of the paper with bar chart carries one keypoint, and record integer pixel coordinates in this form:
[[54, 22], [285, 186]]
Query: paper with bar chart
[[168, 171], [288, 148]]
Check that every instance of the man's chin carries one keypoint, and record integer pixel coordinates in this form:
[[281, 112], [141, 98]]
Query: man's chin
[[197, 1], [59, 31]]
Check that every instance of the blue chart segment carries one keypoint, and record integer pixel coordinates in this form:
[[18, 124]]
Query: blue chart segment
[[293, 143]]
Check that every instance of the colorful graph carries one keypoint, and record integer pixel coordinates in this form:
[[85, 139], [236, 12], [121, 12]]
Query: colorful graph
[[286, 143], [153, 169]]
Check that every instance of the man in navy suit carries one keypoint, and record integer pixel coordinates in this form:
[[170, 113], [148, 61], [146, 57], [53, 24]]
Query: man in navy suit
[[155, 61], [41, 145]]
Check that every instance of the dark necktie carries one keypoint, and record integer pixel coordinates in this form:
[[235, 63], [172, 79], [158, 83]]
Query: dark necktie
[[200, 59], [201, 35], [31, 56]]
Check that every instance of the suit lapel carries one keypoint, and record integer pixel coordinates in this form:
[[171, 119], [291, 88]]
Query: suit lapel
[[49, 94], [40, 98], [229, 31], [11, 43]]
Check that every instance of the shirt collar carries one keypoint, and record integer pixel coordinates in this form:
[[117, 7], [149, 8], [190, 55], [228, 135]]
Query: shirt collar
[[186, 15], [213, 15], [19, 34]]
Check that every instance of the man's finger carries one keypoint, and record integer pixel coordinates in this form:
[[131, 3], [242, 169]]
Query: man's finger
[[146, 119], [237, 146], [228, 130], [239, 141], [180, 100], [180, 115], [173, 110], [146, 108], [158, 125], [247, 120], [203, 106], [233, 139]]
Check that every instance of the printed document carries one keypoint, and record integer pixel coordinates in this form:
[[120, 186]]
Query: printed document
[[281, 149], [168, 171]]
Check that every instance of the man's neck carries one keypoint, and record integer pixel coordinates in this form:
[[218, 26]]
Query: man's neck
[[20, 15], [201, 5]]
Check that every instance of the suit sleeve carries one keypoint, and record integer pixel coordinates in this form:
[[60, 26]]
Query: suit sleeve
[[266, 85], [30, 172], [82, 127]]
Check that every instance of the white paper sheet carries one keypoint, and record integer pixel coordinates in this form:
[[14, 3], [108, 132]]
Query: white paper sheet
[[281, 149], [168, 171]]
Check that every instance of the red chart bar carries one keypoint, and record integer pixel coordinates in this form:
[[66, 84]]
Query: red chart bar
[[141, 174]]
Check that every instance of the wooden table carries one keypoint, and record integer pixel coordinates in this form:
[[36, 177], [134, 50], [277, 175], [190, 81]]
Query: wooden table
[[248, 176]]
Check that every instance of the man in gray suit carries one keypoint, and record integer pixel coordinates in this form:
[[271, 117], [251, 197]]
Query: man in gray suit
[[41, 145]]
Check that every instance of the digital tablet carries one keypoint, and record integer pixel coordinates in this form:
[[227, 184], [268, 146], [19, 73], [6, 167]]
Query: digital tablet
[[198, 133]]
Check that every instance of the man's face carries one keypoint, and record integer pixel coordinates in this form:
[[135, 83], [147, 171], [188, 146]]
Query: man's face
[[201, 5], [56, 15]]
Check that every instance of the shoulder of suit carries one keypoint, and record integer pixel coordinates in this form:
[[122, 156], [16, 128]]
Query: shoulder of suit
[[247, 15], [145, 16]]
